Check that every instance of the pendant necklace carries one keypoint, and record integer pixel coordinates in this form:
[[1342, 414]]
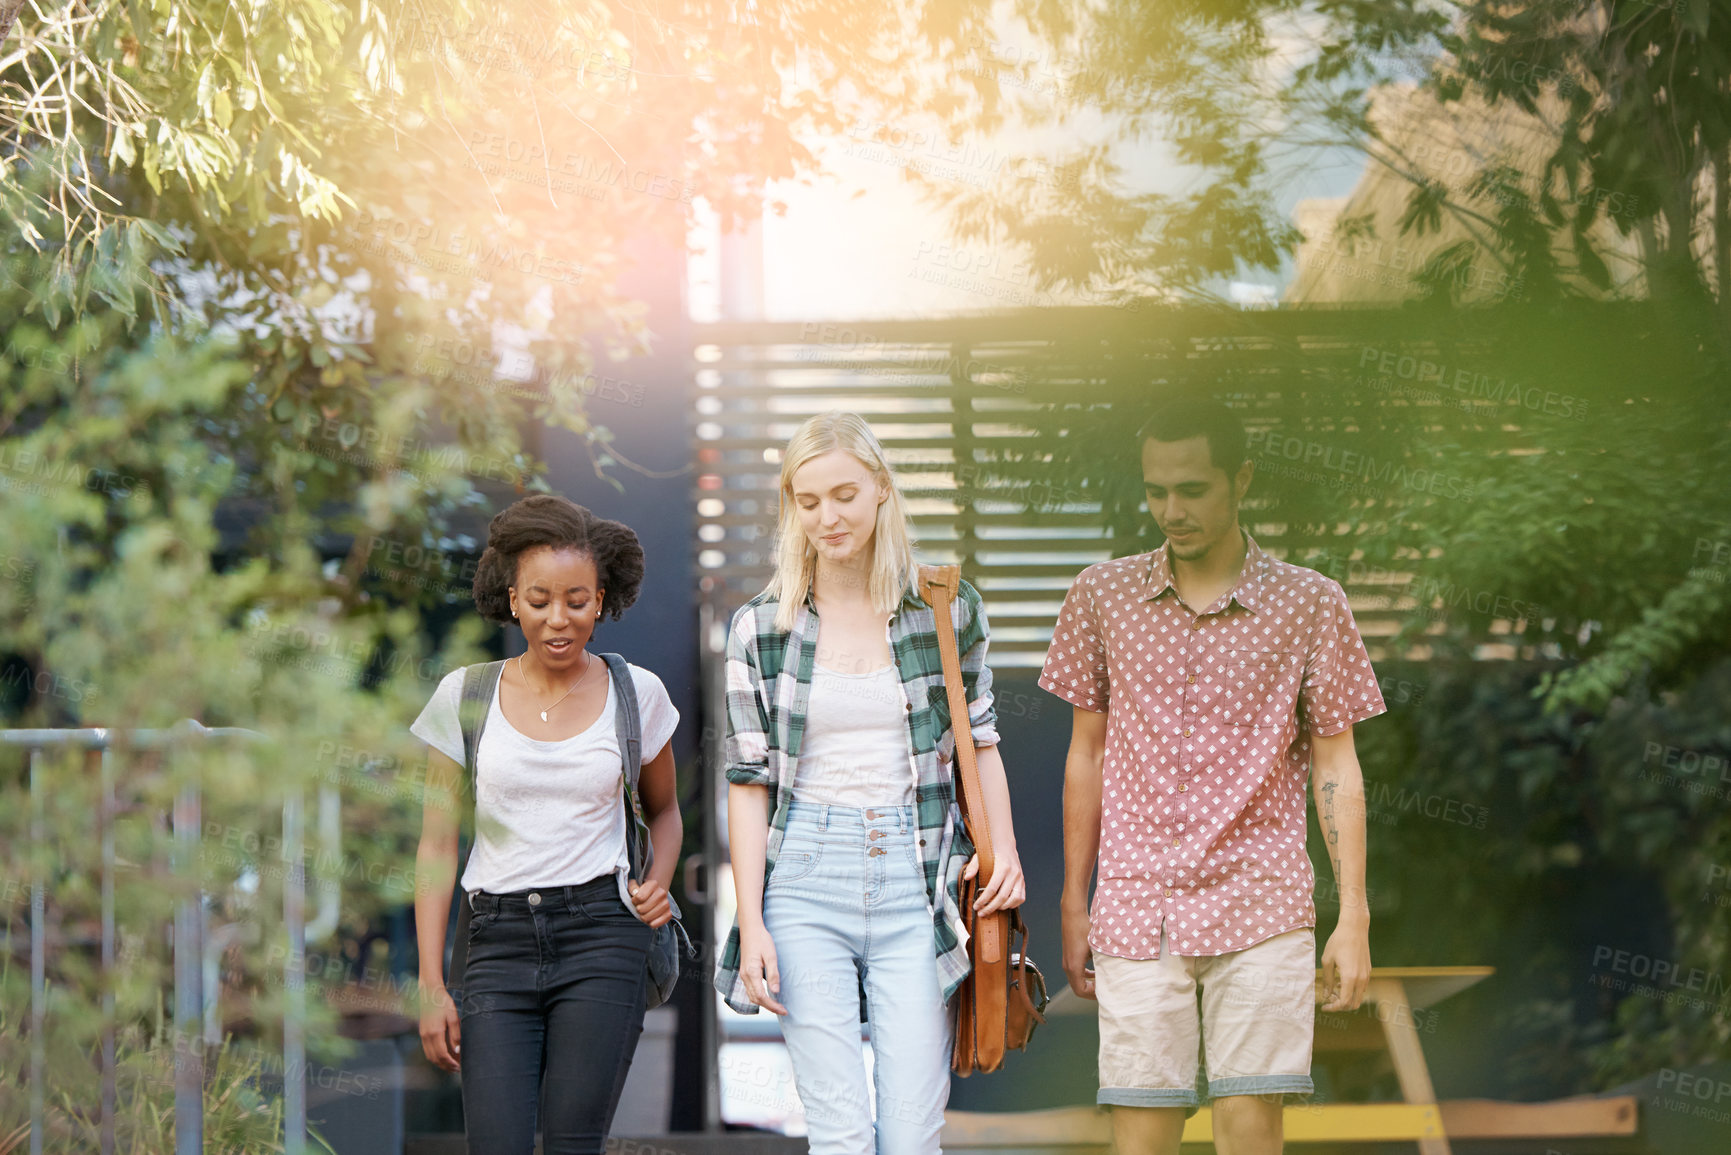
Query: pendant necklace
[[563, 696]]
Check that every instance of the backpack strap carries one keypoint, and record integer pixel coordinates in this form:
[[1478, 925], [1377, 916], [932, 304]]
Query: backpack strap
[[628, 729], [479, 683], [639, 850]]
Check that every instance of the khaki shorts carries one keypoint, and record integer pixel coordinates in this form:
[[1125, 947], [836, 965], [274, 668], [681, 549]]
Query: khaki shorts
[[1256, 1017]]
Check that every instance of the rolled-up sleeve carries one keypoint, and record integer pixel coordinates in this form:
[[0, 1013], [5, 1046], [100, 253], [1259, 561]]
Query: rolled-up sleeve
[[1339, 688], [973, 636], [1076, 668], [746, 749]]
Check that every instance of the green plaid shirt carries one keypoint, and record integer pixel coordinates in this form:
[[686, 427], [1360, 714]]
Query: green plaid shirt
[[768, 686]]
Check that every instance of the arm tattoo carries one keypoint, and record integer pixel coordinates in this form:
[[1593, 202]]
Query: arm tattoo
[[1329, 829]]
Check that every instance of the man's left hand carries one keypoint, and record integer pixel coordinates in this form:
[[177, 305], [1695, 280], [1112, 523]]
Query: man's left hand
[[1346, 967]]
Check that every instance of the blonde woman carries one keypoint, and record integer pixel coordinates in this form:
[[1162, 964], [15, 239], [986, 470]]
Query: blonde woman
[[843, 816]]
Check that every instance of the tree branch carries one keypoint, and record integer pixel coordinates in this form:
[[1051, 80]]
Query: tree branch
[[9, 10]]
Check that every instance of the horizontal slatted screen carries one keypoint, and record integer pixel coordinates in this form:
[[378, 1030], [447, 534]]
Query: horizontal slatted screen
[[941, 395]]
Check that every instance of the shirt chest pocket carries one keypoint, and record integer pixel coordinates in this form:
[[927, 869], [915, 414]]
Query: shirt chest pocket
[[936, 714], [1255, 687]]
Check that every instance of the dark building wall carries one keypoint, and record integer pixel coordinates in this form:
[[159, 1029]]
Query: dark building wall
[[644, 405], [1058, 1068]]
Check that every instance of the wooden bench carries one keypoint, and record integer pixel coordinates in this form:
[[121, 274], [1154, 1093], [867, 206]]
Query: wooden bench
[[1386, 1024]]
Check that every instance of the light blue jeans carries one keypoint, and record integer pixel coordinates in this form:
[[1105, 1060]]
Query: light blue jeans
[[847, 903]]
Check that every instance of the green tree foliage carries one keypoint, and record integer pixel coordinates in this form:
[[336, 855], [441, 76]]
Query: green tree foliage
[[1593, 547], [1626, 98], [1627, 102], [1603, 540], [240, 1118], [263, 271], [1537, 494]]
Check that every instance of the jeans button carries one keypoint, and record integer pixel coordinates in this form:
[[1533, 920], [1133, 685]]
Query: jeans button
[[534, 898]]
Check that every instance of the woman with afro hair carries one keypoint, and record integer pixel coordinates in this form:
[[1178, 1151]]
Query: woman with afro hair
[[551, 1004]]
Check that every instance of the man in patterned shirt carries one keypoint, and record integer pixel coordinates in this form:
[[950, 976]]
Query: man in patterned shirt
[[1209, 681]]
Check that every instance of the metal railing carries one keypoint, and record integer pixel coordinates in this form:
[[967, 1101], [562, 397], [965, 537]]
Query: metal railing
[[196, 990]]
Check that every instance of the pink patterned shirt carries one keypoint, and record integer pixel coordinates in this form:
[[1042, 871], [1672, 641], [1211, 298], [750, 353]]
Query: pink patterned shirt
[[1209, 718]]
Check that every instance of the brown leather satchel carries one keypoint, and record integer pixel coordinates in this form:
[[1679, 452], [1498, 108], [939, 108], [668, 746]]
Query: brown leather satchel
[[1000, 1002]]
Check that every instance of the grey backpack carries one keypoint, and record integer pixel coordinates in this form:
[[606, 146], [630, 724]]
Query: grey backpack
[[479, 682]]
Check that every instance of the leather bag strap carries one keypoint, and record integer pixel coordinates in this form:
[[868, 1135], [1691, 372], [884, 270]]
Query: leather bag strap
[[939, 585]]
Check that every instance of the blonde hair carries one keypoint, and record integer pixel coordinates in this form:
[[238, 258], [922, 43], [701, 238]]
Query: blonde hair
[[892, 568]]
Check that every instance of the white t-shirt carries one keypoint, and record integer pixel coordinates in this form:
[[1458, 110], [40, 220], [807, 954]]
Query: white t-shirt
[[547, 813], [855, 748]]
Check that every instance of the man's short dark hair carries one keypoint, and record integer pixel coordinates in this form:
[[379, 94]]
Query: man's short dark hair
[[1182, 418]]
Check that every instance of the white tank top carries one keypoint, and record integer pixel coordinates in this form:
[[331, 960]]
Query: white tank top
[[855, 748]]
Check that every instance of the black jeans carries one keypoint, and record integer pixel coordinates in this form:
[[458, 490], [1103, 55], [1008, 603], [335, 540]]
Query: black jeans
[[552, 1005]]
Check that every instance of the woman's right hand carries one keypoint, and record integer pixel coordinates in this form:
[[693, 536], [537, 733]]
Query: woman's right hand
[[757, 967], [441, 1029]]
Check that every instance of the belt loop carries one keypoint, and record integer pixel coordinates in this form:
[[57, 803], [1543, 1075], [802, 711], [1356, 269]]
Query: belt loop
[[903, 814], [823, 816]]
